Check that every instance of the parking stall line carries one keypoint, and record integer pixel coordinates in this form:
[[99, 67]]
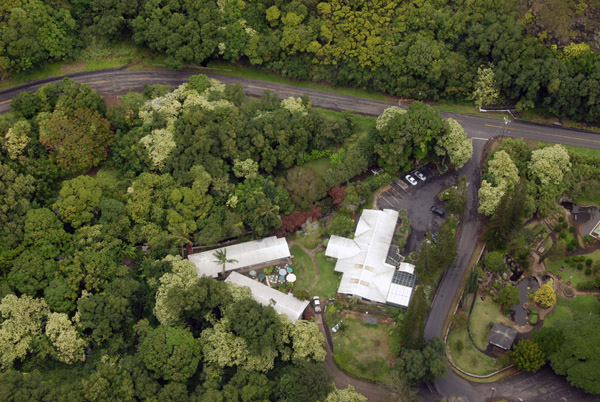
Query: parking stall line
[[396, 192]]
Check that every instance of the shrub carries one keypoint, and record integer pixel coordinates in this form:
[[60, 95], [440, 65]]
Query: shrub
[[533, 319], [575, 243], [588, 271], [459, 345], [570, 247], [580, 266], [568, 259], [588, 239], [563, 235], [545, 296], [572, 229], [581, 258], [589, 262], [561, 219], [494, 261], [565, 225]]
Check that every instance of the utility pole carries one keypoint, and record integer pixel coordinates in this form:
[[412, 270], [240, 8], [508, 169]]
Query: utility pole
[[506, 121]]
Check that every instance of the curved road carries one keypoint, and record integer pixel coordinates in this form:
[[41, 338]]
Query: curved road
[[541, 386]]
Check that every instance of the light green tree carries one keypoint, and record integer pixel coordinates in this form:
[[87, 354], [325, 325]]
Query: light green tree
[[22, 321], [504, 175], [508, 296], [384, 118], [455, 144], [545, 296], [183, 275], [485, 88], [548, 165], [17, 138], [307, 341], [527, 356], [348, 394], [64, 337]]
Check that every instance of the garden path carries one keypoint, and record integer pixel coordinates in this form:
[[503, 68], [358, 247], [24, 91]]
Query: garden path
[[311, 254]]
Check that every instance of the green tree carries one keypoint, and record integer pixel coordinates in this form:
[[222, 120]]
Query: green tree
[[307, 341], [64, 337], [549, 339], [456, 197], [527, 356], [170, 353], [304, 381], [494, 261], [108, 382], [423, 365], [78, 142], [305, 187], [545, 296], [549, 165], [508, 297], [16, 192], [17, 138], [79, 199], [221, 258], [413, 325], [347, 394]]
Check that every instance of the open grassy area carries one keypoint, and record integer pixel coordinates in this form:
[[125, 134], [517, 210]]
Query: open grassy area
[[303, 268], [363, 122], [589, 194], [565, 308], [363, 350], [319, 166], [329, 281], [583, 150], [467, 357], [485, 314], [570, 273], [237, 70]]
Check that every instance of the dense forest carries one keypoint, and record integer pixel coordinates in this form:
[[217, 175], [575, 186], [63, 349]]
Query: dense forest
[[97, 205], [414, 49]]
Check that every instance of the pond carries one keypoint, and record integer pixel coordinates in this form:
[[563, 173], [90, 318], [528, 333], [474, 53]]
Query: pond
[[525, 286]]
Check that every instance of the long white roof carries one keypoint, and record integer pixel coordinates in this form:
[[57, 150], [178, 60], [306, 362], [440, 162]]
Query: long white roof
[[245, 254], [282, 303], [362, 259]]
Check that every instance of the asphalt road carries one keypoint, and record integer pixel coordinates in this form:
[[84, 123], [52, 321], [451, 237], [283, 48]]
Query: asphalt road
[[542, 386]]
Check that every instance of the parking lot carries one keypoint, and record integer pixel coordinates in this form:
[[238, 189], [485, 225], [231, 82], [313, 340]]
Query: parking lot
[[418, 200]]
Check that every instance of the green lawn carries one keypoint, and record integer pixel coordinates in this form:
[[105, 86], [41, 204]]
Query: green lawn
[[469, 358], [565, 308], [309, 242], [584, 150], [236, 70], [589, 194], [320, 166], [329, 281], [363, 122], [571, 274], [303, 268], [485, 314], [363, 350]]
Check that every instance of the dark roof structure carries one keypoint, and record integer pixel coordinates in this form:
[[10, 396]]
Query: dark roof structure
[[502, 336]]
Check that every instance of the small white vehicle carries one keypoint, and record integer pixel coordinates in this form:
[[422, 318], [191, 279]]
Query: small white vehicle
[[411, 179], [420, 176], [317, 304]]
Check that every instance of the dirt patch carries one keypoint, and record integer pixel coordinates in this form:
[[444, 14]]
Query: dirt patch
[[72, 67], [112, 101]]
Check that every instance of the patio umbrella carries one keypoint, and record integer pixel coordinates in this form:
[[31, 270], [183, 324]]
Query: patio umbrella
[[282, 278], [290, 270], [291, 278], [282, 272], [261, 276], [253, 273]]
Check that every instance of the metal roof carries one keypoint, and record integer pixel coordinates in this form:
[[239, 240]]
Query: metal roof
[[282, 303], [246, 255], [502, 336], [362, 260]]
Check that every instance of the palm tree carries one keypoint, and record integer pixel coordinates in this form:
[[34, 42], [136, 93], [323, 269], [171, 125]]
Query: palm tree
[[221, 258]]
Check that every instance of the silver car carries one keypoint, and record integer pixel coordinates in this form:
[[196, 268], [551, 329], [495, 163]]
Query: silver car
[[411, 179], [420, 176]]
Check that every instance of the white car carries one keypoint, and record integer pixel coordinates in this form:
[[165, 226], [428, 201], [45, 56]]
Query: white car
[[317, 303], [420, 176], [411, 179]]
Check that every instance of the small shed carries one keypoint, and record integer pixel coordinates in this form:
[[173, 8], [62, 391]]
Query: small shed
[[502, 336]]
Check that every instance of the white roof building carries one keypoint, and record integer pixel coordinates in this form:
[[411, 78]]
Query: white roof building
[[249, 254], [362, 261], [282, 303]]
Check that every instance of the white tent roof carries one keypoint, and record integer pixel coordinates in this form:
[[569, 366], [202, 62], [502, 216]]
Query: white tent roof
[[267, 296], [362, 260], [246, 254], [399, 295]]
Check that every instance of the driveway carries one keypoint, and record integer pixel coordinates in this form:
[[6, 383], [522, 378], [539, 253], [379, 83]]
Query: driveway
[[417, 200]]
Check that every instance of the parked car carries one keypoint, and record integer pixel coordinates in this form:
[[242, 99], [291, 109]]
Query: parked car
[[317, 304], [437, 211], [337, 326], [420, 176], [411, 179]]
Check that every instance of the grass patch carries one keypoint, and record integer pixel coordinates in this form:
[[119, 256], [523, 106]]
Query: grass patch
[[583, 150], [485, 314], [309, 242], [363, 350], [256, 73], [303, 268], [570, 273], [547, 243], [565, 308], [94, 57], [364, 123], [589, 194], [468, 358], [329, 281], [320, 166]]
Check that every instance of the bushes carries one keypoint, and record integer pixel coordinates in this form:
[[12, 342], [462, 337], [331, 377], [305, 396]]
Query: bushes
[[545, 296]]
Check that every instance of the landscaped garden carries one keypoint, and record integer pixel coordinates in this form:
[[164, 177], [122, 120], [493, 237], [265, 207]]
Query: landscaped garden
[[466, 356], [485, 313], [363, 350], [566, 308]]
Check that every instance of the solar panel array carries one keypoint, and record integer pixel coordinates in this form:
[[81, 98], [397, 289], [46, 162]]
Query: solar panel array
[[404, 278]]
